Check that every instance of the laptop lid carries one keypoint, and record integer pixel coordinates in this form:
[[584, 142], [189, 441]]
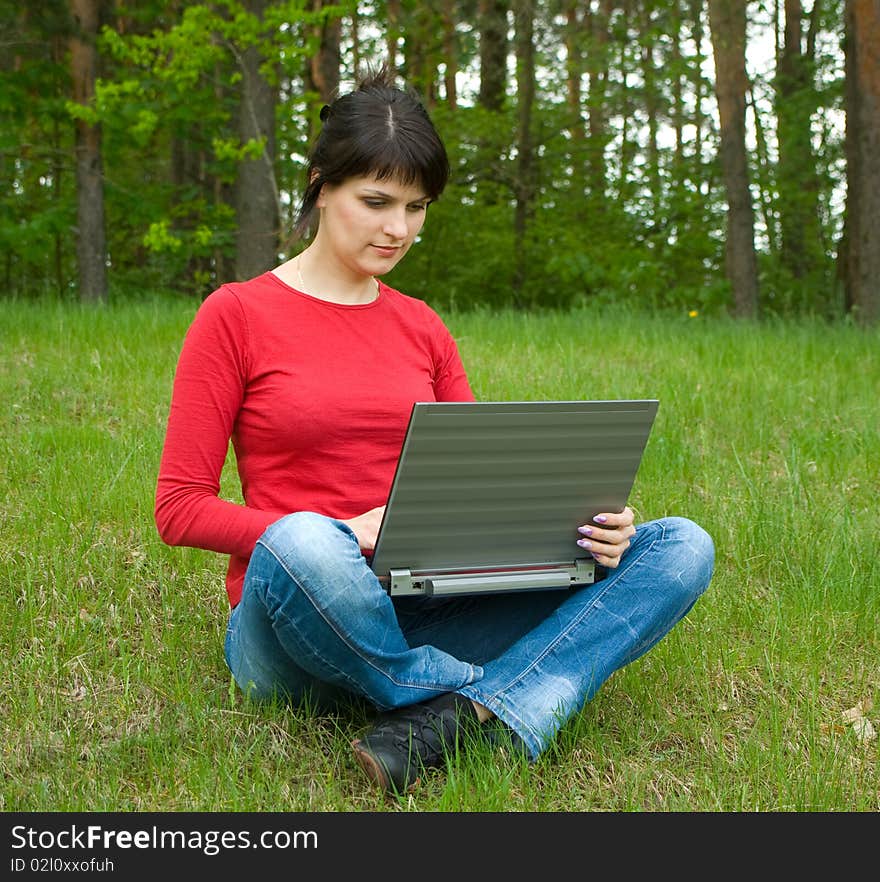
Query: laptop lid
[[487, 496]]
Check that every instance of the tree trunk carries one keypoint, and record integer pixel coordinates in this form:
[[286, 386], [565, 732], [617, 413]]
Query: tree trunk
[[220, 192], [450, 53], [574, 54], [727, 22], [629, 142], [493, 53], [355, 41], [678, 111], [652, 110], [597, 67], [796, 182], [57, 171], [91, 246], [256, 193], [524, 187], [862, 251], [392, 34], [323, 67], [420, 46], [698, 118]]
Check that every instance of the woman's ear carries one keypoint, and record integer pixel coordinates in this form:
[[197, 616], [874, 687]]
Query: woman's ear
[[313, 176]]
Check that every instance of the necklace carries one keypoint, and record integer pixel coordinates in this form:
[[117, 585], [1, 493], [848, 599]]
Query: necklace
[[301, 280]]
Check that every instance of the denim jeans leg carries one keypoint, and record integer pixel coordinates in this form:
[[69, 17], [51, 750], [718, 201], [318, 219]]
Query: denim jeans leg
[[310, 588], [260, 666], [550, 673]]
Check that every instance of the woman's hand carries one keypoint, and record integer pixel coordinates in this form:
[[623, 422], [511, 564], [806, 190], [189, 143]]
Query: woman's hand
[[607, 538], [366, 527]]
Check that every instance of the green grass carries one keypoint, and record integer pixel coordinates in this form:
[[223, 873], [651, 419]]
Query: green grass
[[115, 695]]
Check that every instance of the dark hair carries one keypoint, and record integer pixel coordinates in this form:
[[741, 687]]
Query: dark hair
[[377, 129]]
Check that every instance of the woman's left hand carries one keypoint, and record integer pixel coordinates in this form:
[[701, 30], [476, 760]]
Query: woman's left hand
[[608, 536]]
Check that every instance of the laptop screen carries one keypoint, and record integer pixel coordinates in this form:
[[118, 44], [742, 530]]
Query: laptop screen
[[503, 485]]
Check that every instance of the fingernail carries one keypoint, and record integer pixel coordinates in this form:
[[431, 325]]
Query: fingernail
[[585, 530], [600, 519], [584, 543]]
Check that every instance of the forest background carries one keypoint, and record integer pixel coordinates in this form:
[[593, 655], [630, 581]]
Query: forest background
[[600, 151]]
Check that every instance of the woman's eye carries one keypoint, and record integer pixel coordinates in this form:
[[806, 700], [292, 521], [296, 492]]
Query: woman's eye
[[374, 203]]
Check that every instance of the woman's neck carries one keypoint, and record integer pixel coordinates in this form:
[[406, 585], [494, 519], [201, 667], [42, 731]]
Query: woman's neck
[[310, 273]]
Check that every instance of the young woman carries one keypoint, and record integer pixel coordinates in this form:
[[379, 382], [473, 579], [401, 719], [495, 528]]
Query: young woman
[[311, 371]]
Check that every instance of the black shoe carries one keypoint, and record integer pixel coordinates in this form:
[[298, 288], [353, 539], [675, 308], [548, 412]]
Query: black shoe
[[406, 742]]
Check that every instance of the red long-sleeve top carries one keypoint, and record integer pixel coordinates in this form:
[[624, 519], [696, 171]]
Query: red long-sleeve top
[[315, 398]]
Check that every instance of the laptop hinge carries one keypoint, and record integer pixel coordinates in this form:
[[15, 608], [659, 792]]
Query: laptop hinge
[[403, 581], [584, 572], [534, 581]]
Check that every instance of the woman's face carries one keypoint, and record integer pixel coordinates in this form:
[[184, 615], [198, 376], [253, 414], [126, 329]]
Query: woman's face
[[370, 224]]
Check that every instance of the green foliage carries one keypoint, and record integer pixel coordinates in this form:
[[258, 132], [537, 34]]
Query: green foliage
[[650, 232], [582, 248], [231, 151], [159, 239]]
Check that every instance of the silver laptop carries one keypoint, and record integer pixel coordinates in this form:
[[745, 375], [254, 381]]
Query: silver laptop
[[488, 496]]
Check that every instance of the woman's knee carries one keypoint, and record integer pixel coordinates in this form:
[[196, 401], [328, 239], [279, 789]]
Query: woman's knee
[[679, 552], [694, 536], [306, 543], [696, 550], [321, 558]]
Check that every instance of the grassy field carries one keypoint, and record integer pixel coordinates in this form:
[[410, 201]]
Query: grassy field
[[115, 695]]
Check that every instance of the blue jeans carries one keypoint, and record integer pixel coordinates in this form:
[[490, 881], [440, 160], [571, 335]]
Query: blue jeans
[[315, 626]]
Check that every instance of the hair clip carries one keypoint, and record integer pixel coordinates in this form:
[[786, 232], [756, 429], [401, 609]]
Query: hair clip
[[325, 113]]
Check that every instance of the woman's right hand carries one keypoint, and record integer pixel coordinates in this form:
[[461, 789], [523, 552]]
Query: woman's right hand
[[366, 526]]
